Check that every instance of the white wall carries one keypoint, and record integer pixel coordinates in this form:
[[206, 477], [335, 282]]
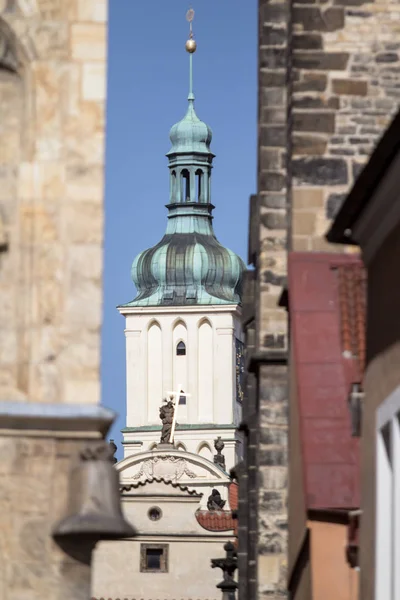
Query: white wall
[[207, 372], [116, 572]]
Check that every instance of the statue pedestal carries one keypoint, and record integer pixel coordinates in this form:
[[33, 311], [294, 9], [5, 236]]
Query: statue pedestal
[[165, 446]]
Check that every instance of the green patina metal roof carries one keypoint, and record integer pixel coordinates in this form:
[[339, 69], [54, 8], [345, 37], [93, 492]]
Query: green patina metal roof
[[188, 266], [190, 134]]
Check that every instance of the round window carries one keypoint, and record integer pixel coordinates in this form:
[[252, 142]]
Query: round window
[[154, 513]]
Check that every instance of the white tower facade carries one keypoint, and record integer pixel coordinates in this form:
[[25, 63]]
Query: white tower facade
[[199, 349]]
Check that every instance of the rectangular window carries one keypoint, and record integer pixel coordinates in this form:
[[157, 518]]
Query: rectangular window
[[154, 558]]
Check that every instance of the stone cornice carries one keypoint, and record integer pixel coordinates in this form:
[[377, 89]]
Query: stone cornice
[[58, 420], [198, 308]]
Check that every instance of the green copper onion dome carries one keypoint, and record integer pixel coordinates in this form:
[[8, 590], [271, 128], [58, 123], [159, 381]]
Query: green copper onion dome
[[190, 134], [188, 266]]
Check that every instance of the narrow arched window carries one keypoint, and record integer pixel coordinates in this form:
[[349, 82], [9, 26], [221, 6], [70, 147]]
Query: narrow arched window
[[185, 185], [173, 186], [181, 349], [199, 185]]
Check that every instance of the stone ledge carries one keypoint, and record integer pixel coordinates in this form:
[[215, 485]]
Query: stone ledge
[[74, 420], [272, 357]]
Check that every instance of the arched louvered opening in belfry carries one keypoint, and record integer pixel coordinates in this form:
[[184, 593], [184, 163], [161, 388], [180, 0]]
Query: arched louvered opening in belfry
[[199, 185], [154, 371], [185, 185], [173, 187], [205, 372]]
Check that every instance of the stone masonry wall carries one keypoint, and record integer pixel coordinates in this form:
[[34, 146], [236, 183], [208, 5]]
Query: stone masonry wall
[[52, 90], [346, 89], [329, 83], [274, 114]]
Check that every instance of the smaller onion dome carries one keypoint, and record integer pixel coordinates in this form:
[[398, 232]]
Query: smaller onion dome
[[190, 134]]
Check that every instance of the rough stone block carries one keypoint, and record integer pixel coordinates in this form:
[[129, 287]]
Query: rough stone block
[[273, 58], [350, 2], [276, 116], [387, 57], [84, 182], [273, 135], [320, 171], [274, 13], [272, 182], [272, 35], [341, 151], [51, 40], [270, 159], [41, 220], [274, 220], [304, 223], [278, 280], [273, 478], [273, 78], [88, 42], [350, 87], [272, 457], [83, 223], [307, 41], [307, 198], [273, 436], [312, 18], [273, 96], [76, 389], [310, 102], [321, 61], [92, 10], [273, 200], [93, 81], [309, 145], [311, 82], [315, 121]]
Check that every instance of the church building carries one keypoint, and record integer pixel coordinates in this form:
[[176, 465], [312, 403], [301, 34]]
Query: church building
[[184, 365]]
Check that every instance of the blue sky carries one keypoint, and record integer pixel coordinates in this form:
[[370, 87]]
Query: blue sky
[[148, 72]]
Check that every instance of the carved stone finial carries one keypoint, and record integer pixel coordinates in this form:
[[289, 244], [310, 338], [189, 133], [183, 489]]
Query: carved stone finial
[[228, 566], [215, 501], [219, 458]]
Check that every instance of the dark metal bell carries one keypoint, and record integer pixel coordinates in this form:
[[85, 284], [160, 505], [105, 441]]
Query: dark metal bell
[[94, 507]]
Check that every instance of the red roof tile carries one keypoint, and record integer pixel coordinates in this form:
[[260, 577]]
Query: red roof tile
[[233, 495], [220, 520], [316, 304], [216, 520]]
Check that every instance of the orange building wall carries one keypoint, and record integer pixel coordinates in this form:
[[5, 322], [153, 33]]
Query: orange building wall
[[331, 576]]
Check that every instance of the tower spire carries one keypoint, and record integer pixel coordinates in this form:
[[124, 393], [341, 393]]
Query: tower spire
[[191, 48]]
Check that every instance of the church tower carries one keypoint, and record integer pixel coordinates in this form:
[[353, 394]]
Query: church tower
[[183, 328]]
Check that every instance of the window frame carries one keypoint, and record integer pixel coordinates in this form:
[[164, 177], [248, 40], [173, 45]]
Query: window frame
[[180, 343], [164, 559]]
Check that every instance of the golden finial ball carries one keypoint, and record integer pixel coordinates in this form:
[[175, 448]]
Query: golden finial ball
[[191, 46]]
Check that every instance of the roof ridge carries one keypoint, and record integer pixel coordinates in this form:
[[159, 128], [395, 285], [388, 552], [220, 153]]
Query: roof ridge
[[125, 487]]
